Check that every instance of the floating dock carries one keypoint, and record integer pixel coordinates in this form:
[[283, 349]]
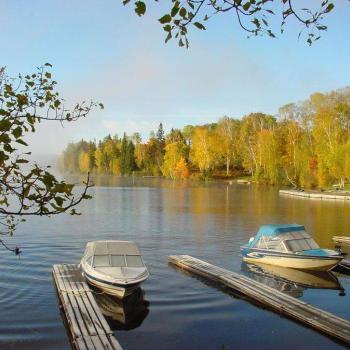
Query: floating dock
[[244, 181], [316, 195], [265, 296], [341, 240], [86, 324]]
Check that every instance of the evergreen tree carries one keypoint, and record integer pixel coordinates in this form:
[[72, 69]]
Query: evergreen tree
[[124, 156], [131, 164], [160, 134], [91, 155]]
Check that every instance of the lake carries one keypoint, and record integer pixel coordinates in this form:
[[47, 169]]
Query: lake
[[175, 311]]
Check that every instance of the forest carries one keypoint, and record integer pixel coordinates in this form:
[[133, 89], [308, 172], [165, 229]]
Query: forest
[[307, 145]]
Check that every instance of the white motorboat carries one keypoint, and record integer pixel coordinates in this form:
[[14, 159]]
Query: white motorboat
[[115, 267]]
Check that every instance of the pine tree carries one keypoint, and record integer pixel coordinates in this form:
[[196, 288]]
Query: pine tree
[[160, 134], [131, 164], [124, 156], [91, 155]]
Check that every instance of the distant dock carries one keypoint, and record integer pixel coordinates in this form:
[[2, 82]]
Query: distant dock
[[85, 322], [265, 296], [316, 195], [243, 181]]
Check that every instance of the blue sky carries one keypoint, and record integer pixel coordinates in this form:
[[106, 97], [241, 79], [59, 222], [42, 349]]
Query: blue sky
[[102, 50]]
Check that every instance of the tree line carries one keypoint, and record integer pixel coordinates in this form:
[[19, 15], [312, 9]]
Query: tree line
[[307, 144]]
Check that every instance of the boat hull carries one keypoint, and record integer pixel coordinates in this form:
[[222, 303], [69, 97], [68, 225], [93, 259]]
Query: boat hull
[[295, 262], [119, 291]]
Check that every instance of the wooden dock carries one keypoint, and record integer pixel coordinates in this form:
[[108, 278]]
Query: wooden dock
[[265, 296], [341, 240], [87, 326], [316, 195]]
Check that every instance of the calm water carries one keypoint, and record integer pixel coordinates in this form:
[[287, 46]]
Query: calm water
[[208, 221]]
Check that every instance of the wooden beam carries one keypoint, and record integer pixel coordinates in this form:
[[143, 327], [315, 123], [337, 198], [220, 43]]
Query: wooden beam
[[263, 295]]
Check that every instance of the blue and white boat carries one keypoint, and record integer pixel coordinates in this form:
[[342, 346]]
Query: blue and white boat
[[290, 246]]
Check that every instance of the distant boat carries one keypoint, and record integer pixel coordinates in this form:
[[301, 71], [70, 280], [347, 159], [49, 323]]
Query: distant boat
[[115, 267], [289, 246]]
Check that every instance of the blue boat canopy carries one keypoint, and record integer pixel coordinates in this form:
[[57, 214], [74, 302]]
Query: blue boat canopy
[[274, 231]]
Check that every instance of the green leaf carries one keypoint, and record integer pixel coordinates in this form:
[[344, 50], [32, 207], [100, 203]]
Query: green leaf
[[5, 138], [329, 8], [8, 148], [169, 36], [175, 9], [59, 201], [246, 6], [183, 12], [199, 25], [167, 28], [87, 196], [5, 124], [140, 8], [17, 132], [22, 161], [21, 142], [165, 19]]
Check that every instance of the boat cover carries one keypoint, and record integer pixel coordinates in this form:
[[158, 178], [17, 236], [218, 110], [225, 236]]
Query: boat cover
[[114, 247], [274, 231]]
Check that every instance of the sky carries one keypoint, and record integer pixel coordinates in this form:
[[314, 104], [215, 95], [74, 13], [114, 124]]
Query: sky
[[101, 50]]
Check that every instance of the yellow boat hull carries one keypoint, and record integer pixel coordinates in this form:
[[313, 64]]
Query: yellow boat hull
[[300, 263]]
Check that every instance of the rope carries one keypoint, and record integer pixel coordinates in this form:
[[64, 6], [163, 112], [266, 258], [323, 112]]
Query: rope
[[97, 293]]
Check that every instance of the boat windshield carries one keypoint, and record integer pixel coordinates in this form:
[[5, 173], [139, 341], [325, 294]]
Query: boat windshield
[[119, 260], [134, 261], [298, 245], [287, 242], [101, 260]]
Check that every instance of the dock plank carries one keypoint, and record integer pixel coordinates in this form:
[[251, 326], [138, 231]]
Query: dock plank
[[87, 326], [263, 295]]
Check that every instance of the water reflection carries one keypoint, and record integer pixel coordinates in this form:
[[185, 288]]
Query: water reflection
[[209, 220], [292, 281], [125, 314]]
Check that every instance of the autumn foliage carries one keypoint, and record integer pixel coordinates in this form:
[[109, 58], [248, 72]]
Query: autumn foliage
[[306, 144]]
